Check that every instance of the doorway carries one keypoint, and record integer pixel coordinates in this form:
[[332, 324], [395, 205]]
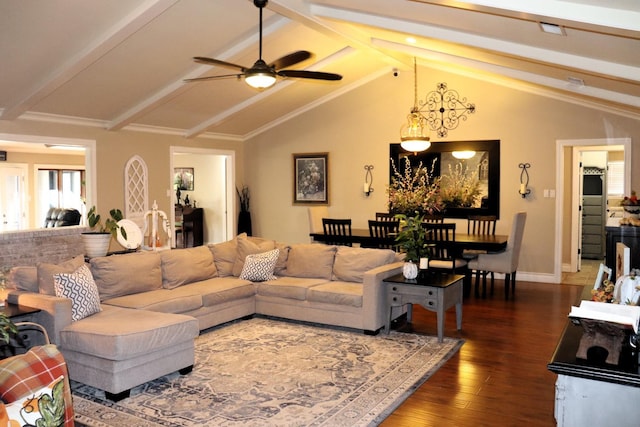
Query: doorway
[[568, 202], [13, 197], [213, 188]]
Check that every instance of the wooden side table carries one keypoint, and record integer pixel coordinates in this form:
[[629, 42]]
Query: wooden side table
[[434, 291]]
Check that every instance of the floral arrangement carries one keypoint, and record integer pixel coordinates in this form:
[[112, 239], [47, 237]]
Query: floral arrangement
[[604, 293], [631, 200], [244, 197], [414, 192], [460, 188]]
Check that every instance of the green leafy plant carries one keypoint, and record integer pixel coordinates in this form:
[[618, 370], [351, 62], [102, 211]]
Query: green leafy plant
[[412, 237], [110, 224], [7, 329], [244, 198]]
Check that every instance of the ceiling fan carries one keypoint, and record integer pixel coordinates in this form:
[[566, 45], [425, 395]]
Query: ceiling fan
[[262, 75]]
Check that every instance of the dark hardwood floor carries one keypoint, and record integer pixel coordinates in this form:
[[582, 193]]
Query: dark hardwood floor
[[499, 377]]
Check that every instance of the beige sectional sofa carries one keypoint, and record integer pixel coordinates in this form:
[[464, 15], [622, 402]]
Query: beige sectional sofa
[[153, 304]]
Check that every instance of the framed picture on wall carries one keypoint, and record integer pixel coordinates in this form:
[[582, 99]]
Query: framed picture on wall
[[183, 179], [311, 178]]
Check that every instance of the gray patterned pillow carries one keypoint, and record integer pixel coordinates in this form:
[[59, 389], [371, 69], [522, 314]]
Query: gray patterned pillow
[[260, 267], [81, 289]]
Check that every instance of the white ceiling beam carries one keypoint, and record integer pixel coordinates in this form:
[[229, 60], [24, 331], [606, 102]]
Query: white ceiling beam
[[604, 15], [589, 65], [174, 88], [129, 25]]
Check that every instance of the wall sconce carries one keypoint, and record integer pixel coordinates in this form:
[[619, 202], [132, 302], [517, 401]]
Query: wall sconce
[[524, 180], [368, 180]]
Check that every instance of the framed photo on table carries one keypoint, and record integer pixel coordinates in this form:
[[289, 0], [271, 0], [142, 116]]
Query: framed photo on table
[[311, 178], [183, 179]]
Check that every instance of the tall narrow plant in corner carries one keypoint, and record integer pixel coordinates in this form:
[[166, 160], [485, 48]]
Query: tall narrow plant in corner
[[244, 217]]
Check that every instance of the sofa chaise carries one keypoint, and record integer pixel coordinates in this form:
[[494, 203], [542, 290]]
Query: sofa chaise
[[153, 304]]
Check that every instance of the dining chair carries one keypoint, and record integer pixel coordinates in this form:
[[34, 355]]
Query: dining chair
[[385, 216], [433, 219], [337, 231], [383, 234], [502, 262], [443, 255], [484, 225]]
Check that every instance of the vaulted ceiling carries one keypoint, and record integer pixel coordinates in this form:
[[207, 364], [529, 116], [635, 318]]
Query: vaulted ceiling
[[118, 64]]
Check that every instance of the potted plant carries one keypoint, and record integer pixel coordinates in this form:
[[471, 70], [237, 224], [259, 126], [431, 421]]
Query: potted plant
[[412, 238], [8, 336], [244, 217], [96, 241]]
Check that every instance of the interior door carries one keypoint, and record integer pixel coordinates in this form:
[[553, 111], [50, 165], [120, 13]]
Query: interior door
[[13, 206], [581, 209]]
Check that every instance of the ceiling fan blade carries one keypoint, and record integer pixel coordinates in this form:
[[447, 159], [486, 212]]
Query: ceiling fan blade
[[290, 59], [204, 79], [211, 61], [318, 75]]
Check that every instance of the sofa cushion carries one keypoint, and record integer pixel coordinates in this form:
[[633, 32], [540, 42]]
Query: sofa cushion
[[126, 274], [336, 292], [23, 278], [288, 287], [177, 300], [46, 272], [224, 256], [182, 266], [311, 260], [260, 267], [81, 289], [351, 263], [121, 334], [221, 290], [249, 247]]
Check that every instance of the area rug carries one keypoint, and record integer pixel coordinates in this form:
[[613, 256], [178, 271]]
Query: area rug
[[266, 372]]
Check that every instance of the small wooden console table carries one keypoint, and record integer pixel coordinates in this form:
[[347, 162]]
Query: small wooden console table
[[435, 291]]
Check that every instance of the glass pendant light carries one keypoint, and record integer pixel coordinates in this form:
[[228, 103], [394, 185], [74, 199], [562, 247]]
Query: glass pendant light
[[414, 135]]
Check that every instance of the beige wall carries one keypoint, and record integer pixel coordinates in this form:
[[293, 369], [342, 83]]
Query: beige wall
[[356, 129]]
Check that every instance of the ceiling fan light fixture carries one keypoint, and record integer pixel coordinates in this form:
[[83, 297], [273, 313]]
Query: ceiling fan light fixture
[[260, 80]]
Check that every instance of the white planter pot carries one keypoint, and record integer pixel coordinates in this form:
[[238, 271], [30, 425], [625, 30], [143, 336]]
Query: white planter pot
[[410, 270], [96, 244]]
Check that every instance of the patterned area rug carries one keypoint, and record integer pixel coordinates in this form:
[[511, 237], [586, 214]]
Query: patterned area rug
[[264, 372]]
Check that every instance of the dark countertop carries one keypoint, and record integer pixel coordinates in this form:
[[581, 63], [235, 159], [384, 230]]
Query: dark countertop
[[565, 362]]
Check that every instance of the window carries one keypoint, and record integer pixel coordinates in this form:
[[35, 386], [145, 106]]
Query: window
[[615, 178], [60, 188]]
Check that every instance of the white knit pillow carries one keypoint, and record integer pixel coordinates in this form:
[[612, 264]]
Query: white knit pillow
[[260, 267], [81, 289]]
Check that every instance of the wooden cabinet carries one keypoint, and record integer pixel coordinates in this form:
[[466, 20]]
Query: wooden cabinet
[[190, 226], [628, 235]]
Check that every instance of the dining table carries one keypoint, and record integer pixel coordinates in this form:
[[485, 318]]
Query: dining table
[[483, 242]]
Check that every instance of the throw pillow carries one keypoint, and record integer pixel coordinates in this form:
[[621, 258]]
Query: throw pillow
[[352, 263], [224, 256], [260, 267], [119, 275], [184, 266], [249, 247], [43, 407], [80, 288], [23, 278], [311, 260], [46, 272]]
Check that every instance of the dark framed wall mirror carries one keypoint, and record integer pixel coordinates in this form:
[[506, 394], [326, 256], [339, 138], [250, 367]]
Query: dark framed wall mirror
[[483, 165]]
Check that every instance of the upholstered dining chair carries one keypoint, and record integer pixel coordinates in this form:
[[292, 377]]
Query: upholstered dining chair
[[383, 233], [315, 214], [337, 231], [440, 237], [502, 262]]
